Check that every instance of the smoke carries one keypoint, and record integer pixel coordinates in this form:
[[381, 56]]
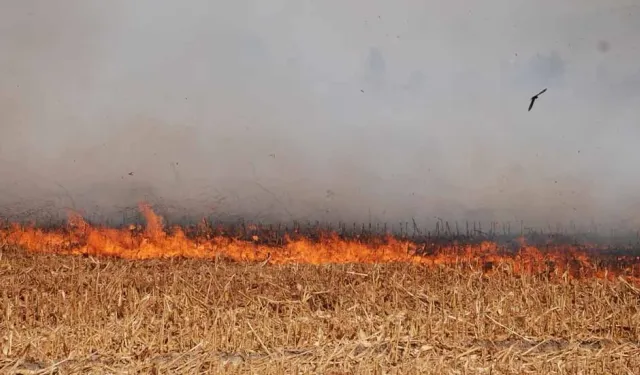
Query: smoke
[[281, 110]]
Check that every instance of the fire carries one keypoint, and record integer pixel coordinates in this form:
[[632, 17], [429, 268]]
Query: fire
[[152, 241]]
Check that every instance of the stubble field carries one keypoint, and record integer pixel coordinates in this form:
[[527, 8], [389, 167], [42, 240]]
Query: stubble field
[[82, 314]]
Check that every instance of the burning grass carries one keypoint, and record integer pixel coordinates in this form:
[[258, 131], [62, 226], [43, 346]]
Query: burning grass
[[212, 302], [323, 247]]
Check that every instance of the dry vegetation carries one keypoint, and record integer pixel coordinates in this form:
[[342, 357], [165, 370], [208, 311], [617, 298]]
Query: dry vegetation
[[73, 314]]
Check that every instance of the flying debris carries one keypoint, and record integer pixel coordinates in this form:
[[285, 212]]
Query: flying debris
[[533, 98]]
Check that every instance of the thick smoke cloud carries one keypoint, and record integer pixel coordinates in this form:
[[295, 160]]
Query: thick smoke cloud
[[326, 110]]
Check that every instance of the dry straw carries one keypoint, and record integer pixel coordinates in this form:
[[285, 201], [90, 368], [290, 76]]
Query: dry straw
[[82, 315]]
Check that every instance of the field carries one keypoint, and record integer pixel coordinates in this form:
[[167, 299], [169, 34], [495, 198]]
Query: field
[[66, 308]]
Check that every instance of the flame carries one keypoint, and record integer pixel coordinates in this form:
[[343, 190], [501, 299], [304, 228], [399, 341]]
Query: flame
[[152, 241]]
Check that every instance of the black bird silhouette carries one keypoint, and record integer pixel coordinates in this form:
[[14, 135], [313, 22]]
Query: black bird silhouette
[[130, 173], [533, 98]]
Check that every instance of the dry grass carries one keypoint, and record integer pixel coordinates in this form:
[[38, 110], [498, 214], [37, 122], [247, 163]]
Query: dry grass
[[69, 314]]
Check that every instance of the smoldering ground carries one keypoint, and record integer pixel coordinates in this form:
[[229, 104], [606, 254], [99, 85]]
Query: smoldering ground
[[326, 110]]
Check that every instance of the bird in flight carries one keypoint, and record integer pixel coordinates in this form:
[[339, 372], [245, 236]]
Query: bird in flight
[[533, 98], [130, 173]]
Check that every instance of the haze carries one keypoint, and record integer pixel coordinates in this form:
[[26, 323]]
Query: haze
[[324, 110]]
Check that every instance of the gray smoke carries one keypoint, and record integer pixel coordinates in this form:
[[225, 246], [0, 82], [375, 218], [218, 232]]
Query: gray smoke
[[324, 110]]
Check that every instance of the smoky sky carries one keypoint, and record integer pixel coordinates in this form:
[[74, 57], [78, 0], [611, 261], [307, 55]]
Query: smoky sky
[[324, 110]]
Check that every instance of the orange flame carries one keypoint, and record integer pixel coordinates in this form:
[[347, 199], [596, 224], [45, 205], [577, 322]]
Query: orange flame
[[152, 241]]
